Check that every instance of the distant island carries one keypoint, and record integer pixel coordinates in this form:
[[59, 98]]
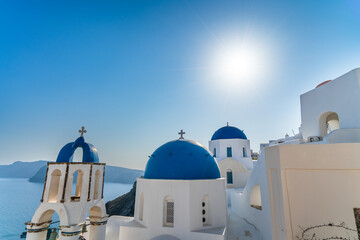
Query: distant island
[[36, 172]]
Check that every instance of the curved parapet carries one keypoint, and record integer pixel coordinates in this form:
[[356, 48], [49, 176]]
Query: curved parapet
[[90, 154]]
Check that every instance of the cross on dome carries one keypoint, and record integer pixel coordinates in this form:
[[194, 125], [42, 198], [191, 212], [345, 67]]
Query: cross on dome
[[82, 131], [227, 124], [181, 133]]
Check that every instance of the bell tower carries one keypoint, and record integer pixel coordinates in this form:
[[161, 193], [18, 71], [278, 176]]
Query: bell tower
[[72, 190]]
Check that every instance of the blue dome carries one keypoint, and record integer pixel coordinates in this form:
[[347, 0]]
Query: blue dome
[[89, 152], [182, 160], [228, 132]]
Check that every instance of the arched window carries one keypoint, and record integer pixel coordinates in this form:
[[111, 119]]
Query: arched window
[[141, 207], [96, 185], [328, 122], [229, 176], [255, 198], [77, 185], [54, 186], [205, 211], [229, 152], [214, 152], [169, 210], [244, 152], [332, 122]]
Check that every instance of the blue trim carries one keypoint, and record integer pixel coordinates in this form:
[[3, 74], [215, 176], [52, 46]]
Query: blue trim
[[90, 154], [228, 132], [70, 233]]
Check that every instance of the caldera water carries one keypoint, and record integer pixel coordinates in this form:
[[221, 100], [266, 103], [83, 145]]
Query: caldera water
[[19, 199]]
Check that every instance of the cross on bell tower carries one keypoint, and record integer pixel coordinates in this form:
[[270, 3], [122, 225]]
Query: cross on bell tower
[[82, 131], [181, 133]]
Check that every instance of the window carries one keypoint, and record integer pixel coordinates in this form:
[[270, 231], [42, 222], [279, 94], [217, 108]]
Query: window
[[169, 210], [96, 186], [214, 152], [229, 176], [332, 122], [54, 186], [244, 152], [205, 211], [77, 185], [229, 152], [328, 122]]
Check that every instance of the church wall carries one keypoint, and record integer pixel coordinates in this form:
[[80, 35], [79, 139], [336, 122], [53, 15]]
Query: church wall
[[239, 172], [155, 191], [336, 96], [217, 204], [188, 196], [237, 150]]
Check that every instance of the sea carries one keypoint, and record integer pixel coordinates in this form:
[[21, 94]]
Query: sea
[[19, 199]]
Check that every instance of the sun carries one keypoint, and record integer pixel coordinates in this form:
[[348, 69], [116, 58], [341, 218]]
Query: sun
[[238, 64], [235, 64]]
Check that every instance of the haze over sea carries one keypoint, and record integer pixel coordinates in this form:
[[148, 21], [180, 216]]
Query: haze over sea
[[19, 199]]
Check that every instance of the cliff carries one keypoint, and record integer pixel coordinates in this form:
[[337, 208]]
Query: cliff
[[123, 205]]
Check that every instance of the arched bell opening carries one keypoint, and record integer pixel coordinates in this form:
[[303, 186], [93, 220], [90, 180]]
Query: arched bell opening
[[48, 226], [78, 177], [77, 155], [328, 122], [54, 186], [97, 185]]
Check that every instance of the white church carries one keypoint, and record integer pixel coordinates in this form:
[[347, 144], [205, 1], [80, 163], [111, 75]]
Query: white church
[[301, 187]]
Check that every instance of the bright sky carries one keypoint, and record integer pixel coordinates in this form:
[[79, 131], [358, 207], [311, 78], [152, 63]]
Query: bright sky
[[136, 72]]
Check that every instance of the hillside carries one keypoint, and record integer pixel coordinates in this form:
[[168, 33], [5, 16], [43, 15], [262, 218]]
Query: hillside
[[123, 205], [21, 169]]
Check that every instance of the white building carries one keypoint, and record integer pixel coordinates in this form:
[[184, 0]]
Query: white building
[[231, 149], [304, 187], [71, 197], [180, 197]]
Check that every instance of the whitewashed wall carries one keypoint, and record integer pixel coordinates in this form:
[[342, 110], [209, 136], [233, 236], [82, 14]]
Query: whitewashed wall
[[236, 145], [341, 96], [188, 196]]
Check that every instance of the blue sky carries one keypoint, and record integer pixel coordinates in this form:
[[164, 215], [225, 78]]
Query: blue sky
[[136, 72]]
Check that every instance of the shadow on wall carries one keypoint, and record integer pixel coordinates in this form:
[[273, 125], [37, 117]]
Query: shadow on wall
[[328, 231]]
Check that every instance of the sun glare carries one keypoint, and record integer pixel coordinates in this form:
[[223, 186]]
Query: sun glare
[[238, 64]]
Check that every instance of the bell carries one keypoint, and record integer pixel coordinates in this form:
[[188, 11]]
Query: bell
[[84, 228], [53, 235]]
